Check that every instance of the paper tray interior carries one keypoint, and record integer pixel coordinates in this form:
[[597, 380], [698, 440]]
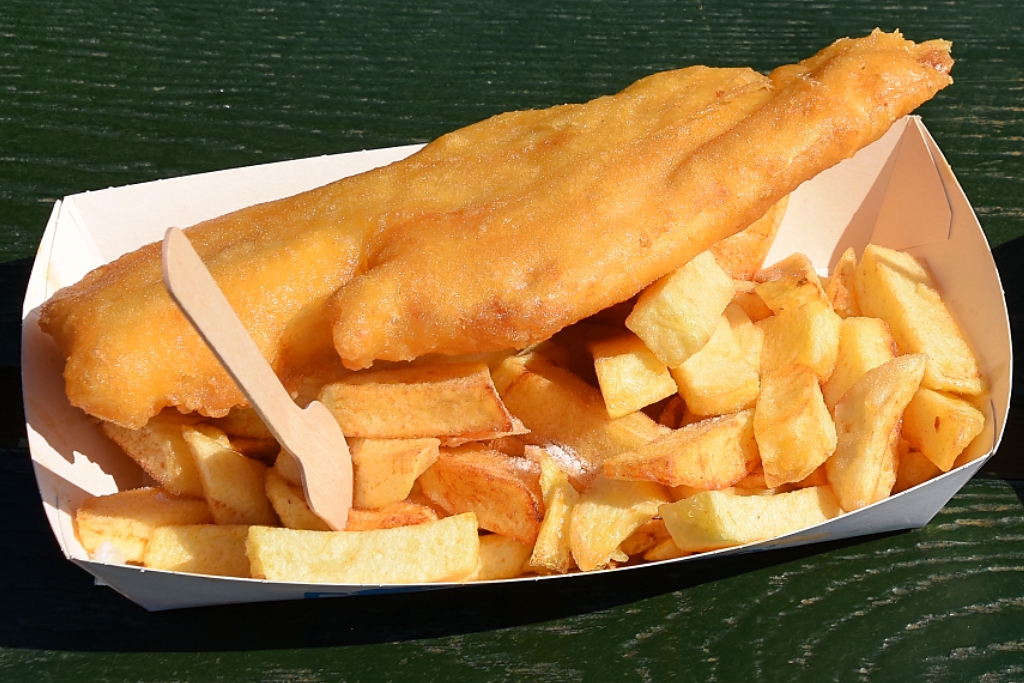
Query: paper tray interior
[[899, 192]]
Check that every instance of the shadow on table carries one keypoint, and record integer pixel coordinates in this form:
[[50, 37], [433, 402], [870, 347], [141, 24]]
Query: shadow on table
[[1008, 258], [13, 279], [1008, 462], [49, 604]]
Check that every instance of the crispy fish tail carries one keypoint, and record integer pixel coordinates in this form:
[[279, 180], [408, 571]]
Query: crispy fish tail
[[825, 109]]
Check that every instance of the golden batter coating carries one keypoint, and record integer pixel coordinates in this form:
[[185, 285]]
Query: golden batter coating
[[614, 194], [494, 236]]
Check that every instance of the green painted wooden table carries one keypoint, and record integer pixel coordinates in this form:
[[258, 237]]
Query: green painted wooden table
[[103, 93]]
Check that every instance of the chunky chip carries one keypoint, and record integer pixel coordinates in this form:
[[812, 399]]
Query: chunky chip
[[606, 515], [447, 399], [445, 550], [214, 549], [742, 254], [710, 454], [500, 558], [677, 315], [402, 513], [290, 504], [841, 288], [503, 492], [125, 520], [385, 470], [161, 451], [629, 374], [719, 519], [790, 283], [863, 469], [647, 536], [560, 408], [941, 426], [794, 430], [551, 551], [913, 468], [864, 344], [898, 288], [807, 334], [723, 377], [232, 483]]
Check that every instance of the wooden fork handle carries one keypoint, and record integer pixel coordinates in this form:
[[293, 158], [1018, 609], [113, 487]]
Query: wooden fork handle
[[204, 304], [312, 435]]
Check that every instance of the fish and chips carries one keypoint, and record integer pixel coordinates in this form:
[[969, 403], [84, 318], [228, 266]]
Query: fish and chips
[[552, 338]]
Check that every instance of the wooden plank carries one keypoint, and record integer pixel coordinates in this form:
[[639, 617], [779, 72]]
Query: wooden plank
[[96, 95]]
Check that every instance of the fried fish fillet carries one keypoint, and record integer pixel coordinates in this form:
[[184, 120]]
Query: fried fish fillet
[[494, 236]]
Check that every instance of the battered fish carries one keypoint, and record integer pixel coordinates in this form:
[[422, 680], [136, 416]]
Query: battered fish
[[494, 236]]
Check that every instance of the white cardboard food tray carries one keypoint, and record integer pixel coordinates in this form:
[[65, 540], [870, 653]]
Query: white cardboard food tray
[[899, 192]]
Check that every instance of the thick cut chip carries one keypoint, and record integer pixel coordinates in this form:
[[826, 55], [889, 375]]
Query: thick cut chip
[[242, 422], [677, 315], [402, 513], [445, 550], [807, 334], [512, 368], [161, 451], [841, 289], [629, 374], [863, 469], [551, 551], [674, 413], [289, 502], [518, 429], [503, 491], [288, 467], [291, 506], [710, 454], [232, 483], [794, 430], [899, 289], [941, 426], [500, 558], [606, 515], [126, 519], [419, 498], [864, 344], [446, 399], [560, 408], [742, 254], [723, 377], [913, 468], [384, 470], [647, 536], [719, 519], [790, 283], [750, 301], [215, 549]]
